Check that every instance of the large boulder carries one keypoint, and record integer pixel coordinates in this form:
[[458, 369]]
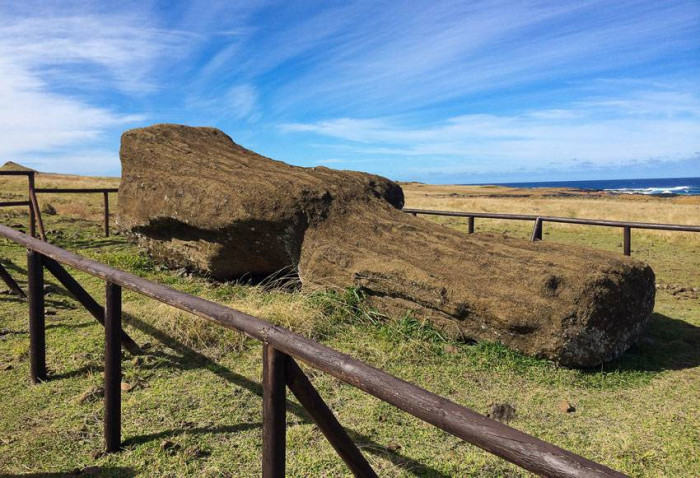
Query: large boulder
[[196, 199]]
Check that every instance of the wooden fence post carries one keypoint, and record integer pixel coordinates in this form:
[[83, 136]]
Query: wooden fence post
[[470, 225], [627, 234], [37, 324], [274, 412], [34, 212], [106, 196], [113, 367], [537, 231]]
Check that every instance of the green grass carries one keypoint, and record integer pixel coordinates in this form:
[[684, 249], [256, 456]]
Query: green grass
[[195, 407]]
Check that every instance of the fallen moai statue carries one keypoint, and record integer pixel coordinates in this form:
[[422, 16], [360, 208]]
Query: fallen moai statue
[[196, 199]]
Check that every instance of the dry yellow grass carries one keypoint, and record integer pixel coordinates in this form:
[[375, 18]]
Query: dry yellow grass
[[291, 310], [559, 202], [86, 206]]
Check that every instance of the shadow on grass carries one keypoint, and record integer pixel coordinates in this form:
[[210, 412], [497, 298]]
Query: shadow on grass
[[118, 471], [667, 344], [192, 359], [87, 243], [92, 368], [11, 266], [240, 427]]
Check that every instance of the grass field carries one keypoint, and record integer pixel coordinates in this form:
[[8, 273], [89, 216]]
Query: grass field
[[194, 408]]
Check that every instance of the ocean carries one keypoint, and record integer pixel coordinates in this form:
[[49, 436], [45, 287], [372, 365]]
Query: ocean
[[654, 187]]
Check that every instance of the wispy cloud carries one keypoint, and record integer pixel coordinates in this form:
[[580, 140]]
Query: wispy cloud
[[641, 125], [237, 102], [398, 88], [33, 119], [55, 71], [416, 55]]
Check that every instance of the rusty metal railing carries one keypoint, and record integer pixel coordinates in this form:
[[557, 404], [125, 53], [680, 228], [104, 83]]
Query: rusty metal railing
[[626, 226], [281, 351]]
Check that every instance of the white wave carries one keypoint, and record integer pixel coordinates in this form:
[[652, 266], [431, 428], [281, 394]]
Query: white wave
[[652, 190]]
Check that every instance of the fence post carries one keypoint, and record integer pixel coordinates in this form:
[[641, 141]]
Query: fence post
[[37, 324], [106, 195], [470, 225], [113, 367], [274, 412], [627, 234], [34, 212], [32, 216], [537, 231]]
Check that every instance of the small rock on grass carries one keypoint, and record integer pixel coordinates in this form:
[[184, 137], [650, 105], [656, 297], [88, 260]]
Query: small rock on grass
[[194, 452], [451, 349], [48, 209], [91, 394], [393, 446], [566, 407], [87, 471], [503, 412], [50, 289], [97, 454], [170, 447]]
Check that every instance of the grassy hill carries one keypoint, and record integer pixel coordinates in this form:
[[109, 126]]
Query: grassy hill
[[193, 403], [12, 166]]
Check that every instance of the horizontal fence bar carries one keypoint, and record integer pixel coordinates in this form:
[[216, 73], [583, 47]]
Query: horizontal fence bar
[[487, 215], [565, 220], [17, 173], [513, 445], [15, 203], [76, 190]]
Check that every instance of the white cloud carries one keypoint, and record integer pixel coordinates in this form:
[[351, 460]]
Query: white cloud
[[52, 65], [94, 162], [33, 119], [640, 126]]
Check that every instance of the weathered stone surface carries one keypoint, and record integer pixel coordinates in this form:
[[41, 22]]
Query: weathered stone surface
[[196, 199]]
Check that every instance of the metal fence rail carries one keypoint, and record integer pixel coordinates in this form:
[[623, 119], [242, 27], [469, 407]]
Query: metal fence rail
[[281, 349], [626, 226]]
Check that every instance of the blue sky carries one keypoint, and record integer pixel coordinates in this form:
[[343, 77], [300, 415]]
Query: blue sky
[[434, 91]]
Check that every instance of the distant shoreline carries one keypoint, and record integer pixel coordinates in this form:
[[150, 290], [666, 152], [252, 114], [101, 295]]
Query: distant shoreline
[[648, 186]]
